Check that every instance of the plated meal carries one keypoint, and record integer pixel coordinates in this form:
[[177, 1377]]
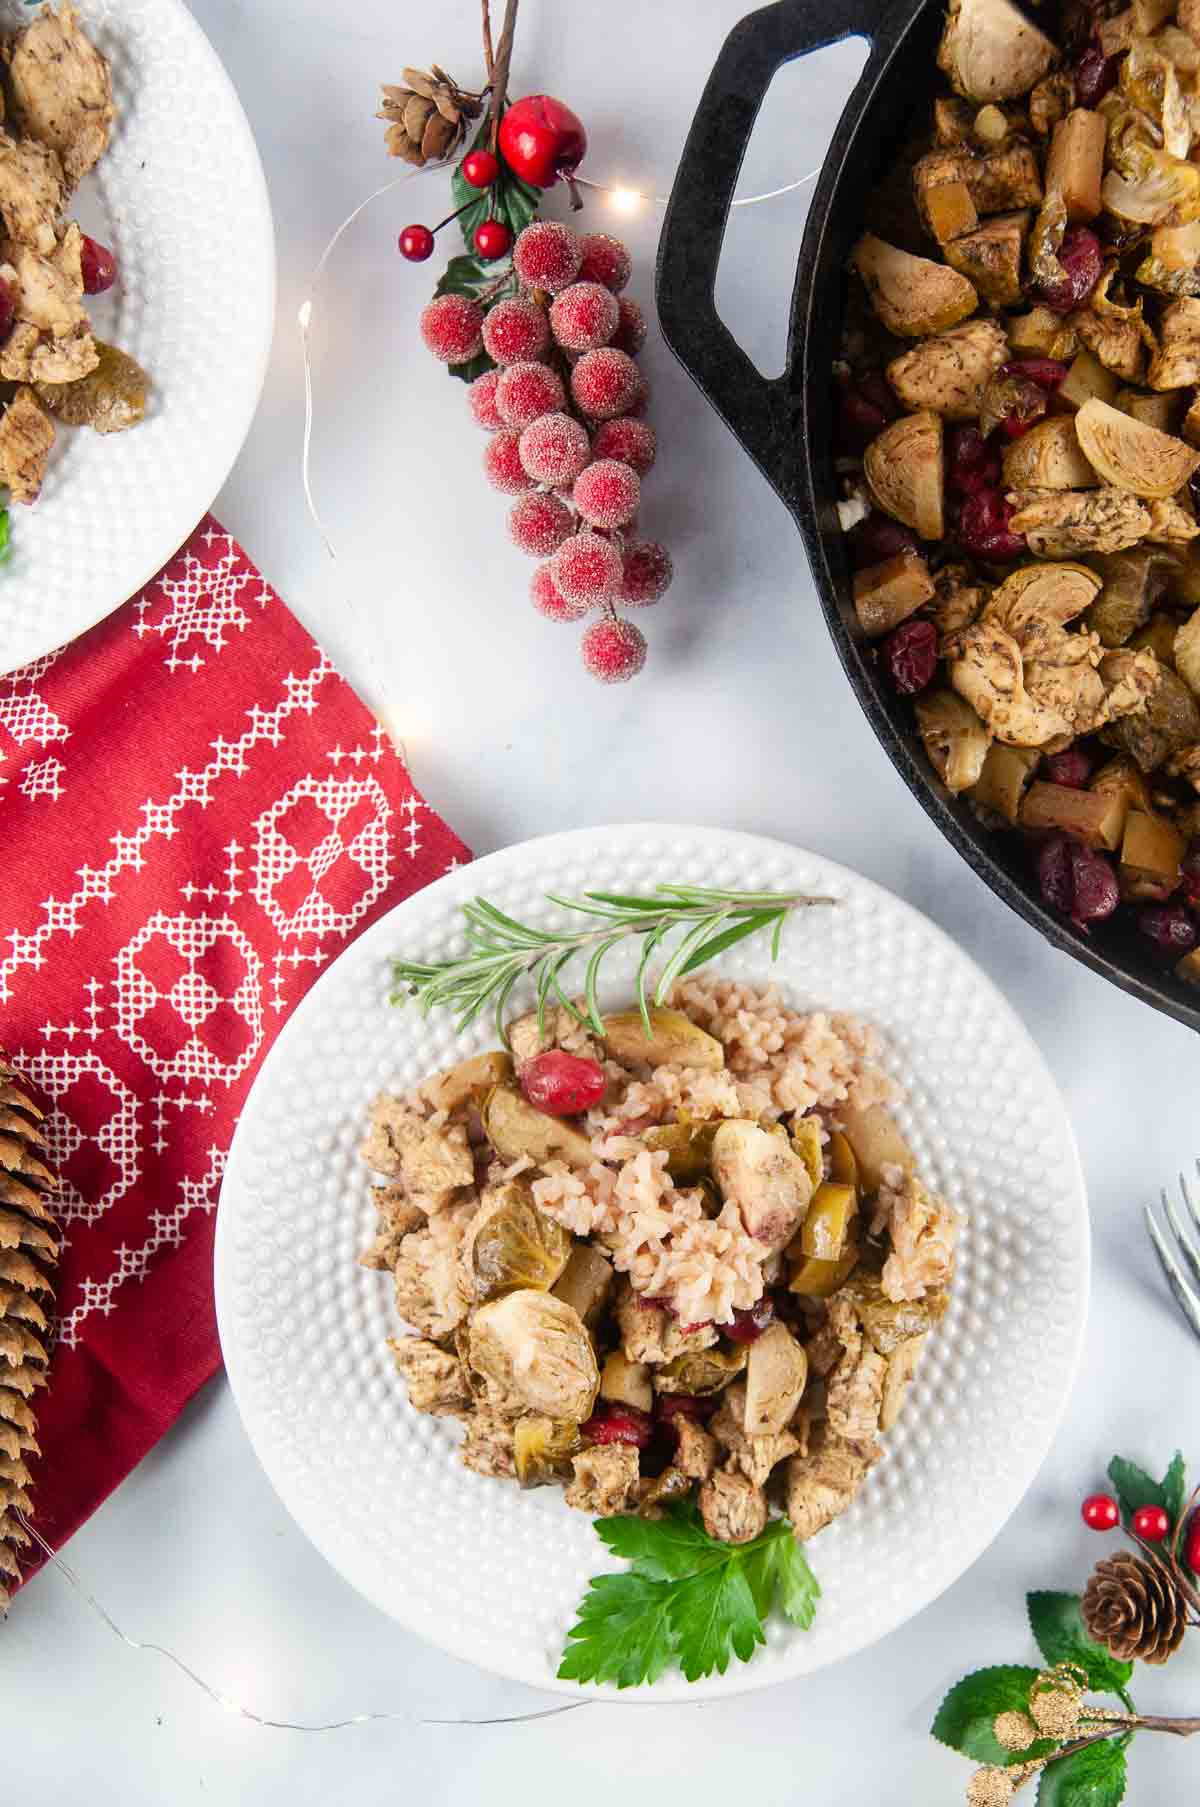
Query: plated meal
[[689, 1254], [1019, 438]]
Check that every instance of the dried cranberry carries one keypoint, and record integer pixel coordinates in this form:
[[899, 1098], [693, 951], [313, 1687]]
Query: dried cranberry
[[1189, 868], [865, 408], [1047, 373], [1082, 258], [1076, 881], [1072, 767], [669, 1406], [910, 654], [618, 1424], [97, 265], [748, 1326], [971, 463], [1171, 927], [562, 1084], [1095, 75], [983, 526], [879, 537], [1054, 873], [8, 306]]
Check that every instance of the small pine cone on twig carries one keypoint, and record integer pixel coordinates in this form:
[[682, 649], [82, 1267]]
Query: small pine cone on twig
[[28, 1246], [1134, 1608], [427, 120]]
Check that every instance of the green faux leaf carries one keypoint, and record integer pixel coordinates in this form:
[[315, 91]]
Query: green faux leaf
[[463, 275], [1060, 1634], [1092, 1777], [713, 1617], [799, 1589], [1174, 1486], [5, 537], [623, 1633], [1134, 1487], [466, 373], [509, 199], [965, 1718]]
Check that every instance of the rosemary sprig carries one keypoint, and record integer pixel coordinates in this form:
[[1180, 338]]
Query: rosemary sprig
[[503, 951]]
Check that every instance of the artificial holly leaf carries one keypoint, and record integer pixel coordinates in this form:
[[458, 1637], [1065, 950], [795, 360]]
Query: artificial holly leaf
[[965, 1718], [1136, 1488], [623, 1633], [476, 366], [462, 276], [1174, 1486], [713, 1617], [1061, 1636], [1092, 1777], [799, 1589], [509, 199], [663, 1549]]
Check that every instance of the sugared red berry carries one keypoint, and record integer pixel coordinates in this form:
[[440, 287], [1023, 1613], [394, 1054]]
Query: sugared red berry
[[587, 568], [647, 573], [515, 330], [613, 650], [539, 523], [452, 328], [1047, 373], [878, 537], [1072, 767], [98, 266], [748, 1326], [549, 600], [554, 449], [1100, 1512], [547, 256], [983, 526], [1170, 927], [1095, 75], [491, 239], [605, 260], [971, 463], [583, 316], [1151, 1524], [632, 441], [563, 1084], [605, 383], [525, 392], [502, 464], [630, 335], [911, 655], [480, 168], [607, 493], [416, 243], [482, 398], [612, 1423], [1077, 881], [1082, 260]]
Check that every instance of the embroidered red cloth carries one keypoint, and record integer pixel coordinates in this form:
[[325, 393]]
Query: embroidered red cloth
[[197, 814]]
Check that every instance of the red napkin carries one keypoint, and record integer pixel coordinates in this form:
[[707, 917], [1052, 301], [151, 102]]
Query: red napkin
[[196, 815]]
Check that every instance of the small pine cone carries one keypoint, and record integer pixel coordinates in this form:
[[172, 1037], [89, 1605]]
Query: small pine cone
[[427, 120], [1134, 1609], [28, 1243]]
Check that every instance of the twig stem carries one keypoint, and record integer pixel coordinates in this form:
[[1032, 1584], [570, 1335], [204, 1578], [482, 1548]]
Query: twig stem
[[500, 66]]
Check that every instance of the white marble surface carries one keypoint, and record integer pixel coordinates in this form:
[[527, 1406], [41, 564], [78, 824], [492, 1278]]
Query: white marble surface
[[742, 718]]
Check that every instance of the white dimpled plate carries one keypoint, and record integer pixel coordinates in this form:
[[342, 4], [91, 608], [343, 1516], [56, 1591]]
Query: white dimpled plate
[[493, 1574], [180, 196]]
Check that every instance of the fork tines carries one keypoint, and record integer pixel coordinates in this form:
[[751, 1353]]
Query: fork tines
[[1180, 1264]]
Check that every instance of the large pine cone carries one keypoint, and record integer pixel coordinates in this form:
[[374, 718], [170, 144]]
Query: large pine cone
[[1134, 1608], [28, 1244], [427, 119]]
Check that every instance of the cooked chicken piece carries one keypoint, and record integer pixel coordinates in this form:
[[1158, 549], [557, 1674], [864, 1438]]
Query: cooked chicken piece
[[431, 1163], [398, 1217], [1050, 101], [1190, 430], [764, 1177], [61, 89], [1171, 524], [488, 1448], [824, 1349], [426, 1274], [991, 51], [822, 1483], [952, 121], [534, 1346], [28, 355], [1176, 365], [26, 436], [902, 1365], [650, 1334], [1065, 522], [949, 372], [855, 1386], [44, 295], [988, 672], [911, 295], [990, 257], [469, 1082], [924, 1231], [754, 1455], [436, 1380], [605, 1478], [562, 1030], [1118, 343], [31, 193], [995, 180], [1131, 680], [957, 600], [696, 1450], [732, 1507]]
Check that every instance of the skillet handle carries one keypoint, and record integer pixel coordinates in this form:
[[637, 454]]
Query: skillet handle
[[757, 408]]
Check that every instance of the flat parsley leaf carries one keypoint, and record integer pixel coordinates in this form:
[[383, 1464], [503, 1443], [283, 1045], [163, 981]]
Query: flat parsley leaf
[[799, 1589], [1057, 1625], [623, 1634], [665, 1549], [713, 1616]]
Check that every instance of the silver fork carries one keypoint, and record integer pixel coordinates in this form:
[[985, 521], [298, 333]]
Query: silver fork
[[1182, 1270]]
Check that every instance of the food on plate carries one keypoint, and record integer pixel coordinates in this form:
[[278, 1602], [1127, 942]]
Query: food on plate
[[651, 1261], [1019, 446]]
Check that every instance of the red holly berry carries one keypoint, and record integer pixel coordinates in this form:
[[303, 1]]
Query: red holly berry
[[492, 239], [547, 256], [583, 316], [613, 651], [482, 395], [416, 243], [97, 265], [607, 493], [605, 260], [630, 335], [605, 383], [1191, 1544], [1151, 1524], [539, 523], [480, 168], [527, 391], [554, 449], [452, 328], [646, 574], [1100, 1512], [587, 568], [632, 441], [563, 1084], [502, 464], [549, 600], [515, 330], [541, 140]]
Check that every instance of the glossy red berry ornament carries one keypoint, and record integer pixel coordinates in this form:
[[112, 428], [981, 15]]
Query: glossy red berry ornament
[[1151, 1524], [541, 140], [97, 265], [416, 243], [492, 239], [1191, 1544], [1100, 1512], [480, 168]]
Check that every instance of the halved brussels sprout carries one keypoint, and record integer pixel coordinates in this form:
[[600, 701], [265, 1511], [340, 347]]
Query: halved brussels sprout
[[776, 1374], [875, 1137], [515, 1128], [535, 1349], [470, 1079], [688, 1145], [813, 1278], [515, 1246], [542, 1449], [843, 1167], [701, 1371], [674, 1040], [806, 1140], [889, 1322], [671, 1484], [110, 398], [955, 739], [830, 1212]]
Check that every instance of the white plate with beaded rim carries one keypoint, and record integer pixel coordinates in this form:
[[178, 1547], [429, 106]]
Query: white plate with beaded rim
[[492, 1574], [181, 198]]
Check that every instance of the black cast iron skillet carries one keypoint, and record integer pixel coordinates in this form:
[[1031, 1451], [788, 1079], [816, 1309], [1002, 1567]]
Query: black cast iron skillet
[[786, 423]]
